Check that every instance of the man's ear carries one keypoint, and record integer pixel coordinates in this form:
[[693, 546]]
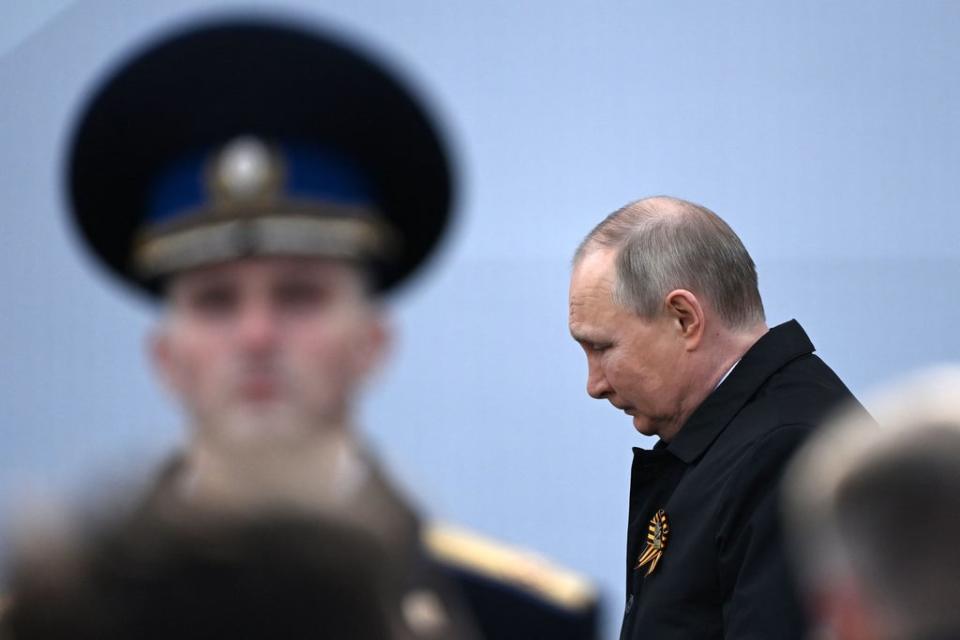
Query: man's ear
[[686, 312], [376, 345], [159, 350]]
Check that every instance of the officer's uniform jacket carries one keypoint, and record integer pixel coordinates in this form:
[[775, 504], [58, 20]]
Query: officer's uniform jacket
[[719, 567], [456, 585]]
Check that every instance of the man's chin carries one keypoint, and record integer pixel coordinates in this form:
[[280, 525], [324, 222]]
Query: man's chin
[[645, 426], [264, 426]]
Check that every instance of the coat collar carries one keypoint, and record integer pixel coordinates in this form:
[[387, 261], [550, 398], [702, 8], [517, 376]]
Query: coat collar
[[777, 347]]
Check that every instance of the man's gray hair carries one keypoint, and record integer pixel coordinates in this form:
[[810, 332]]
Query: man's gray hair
[[879, 502], [664, 244]]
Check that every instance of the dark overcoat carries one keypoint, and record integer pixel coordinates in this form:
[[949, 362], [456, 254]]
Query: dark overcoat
[[721, 571]]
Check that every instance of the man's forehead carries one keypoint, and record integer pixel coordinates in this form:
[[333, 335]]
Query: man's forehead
[[591, 292], [592, 276]]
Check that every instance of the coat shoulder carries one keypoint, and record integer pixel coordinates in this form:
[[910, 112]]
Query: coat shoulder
[[802, 394]]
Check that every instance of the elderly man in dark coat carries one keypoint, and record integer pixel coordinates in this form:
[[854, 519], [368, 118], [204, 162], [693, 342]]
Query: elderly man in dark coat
[[664, 302]]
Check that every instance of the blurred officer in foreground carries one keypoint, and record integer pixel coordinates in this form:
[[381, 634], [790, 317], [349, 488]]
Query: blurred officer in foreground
[[664, 302], [874, 516], [269, 185]]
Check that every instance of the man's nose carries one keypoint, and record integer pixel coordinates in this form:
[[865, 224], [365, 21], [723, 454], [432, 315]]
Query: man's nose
[[597, 385], [257, 327]]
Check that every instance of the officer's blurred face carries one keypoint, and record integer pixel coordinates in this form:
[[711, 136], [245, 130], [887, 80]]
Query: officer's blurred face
[[266, 346], [640, 366]]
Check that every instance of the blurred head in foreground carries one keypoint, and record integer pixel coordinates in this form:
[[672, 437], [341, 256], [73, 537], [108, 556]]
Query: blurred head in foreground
[[280, 575], [874, 515]]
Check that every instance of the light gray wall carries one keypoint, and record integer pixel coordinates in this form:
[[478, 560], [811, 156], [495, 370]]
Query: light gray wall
[[825, 132]]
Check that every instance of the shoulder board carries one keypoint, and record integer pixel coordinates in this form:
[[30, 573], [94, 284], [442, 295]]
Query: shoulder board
[[517, 567]]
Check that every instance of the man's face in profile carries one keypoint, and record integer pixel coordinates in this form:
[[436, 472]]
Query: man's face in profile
[[265, 347], [635, 364]]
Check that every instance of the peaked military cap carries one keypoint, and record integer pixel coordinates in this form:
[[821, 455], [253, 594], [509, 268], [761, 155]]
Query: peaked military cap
[[250, 137]]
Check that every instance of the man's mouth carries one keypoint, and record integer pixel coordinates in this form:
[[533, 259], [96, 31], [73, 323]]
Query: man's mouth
[[626, 409], [259, 388]]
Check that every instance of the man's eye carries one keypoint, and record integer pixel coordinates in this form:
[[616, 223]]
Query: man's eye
[[300, 295], [217, 300]]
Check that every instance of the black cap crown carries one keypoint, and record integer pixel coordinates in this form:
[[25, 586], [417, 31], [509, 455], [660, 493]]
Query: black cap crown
[[345, 161]]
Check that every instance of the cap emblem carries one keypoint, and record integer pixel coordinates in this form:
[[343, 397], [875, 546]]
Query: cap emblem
[[246, 170]]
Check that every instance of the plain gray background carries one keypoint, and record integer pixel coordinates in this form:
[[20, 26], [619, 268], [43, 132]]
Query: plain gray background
[[826, 133]]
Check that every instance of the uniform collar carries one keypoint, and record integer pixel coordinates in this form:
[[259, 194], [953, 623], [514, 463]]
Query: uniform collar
[[776, 348]]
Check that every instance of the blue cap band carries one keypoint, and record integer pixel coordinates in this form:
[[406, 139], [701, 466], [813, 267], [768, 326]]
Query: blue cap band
[[294, 173], [253, 198]]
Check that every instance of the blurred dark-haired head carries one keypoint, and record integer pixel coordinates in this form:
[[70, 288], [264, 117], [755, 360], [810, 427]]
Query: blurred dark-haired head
[[275, 576]]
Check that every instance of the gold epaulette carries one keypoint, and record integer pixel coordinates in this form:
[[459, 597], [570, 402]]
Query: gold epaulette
[[517, 567]]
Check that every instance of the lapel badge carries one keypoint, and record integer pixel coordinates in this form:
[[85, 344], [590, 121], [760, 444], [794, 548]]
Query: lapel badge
[[657, 534]]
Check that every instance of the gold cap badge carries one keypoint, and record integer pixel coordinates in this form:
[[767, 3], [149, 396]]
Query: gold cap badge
[[656, 542], [247, 170]]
